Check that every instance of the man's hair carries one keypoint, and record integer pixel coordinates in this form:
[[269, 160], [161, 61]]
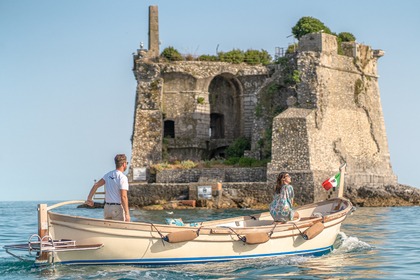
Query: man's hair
[[120, 159]]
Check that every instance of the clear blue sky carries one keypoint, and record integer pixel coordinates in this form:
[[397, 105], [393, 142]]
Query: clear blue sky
[[67, 90]]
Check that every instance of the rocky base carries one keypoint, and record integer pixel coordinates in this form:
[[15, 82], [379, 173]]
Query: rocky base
[[388, 196], [95, 205], [399, 195]]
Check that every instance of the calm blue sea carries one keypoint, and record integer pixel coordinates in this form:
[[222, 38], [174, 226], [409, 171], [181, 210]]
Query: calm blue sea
[[375, 243]]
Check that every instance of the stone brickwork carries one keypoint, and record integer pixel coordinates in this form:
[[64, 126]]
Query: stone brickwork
[[330, 114], [256, 174], [154, 31], [239, 194], [147, 129], [338, 118], [209, 104]]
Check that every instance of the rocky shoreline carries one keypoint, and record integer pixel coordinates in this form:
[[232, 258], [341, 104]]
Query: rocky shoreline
[[387, 196]]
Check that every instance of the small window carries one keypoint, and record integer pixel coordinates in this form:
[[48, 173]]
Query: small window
[[169, 129], [217, 126]]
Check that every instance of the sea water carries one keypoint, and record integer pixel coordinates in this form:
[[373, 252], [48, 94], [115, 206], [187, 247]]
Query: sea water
[[374, 243]]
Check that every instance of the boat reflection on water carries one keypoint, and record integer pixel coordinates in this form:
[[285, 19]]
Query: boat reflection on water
[[357, 256]]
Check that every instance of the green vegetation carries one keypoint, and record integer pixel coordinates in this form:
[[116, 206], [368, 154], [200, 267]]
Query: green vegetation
[[206, 57], [346, 37], [232, 160], [165, 153], [265, 142], [188, 164], [292, 48], [200, 100], [154, 85], [237, 148], [235, 56], [171, 54], [271, 101], [359, 88], [307, 25], [254, 57]]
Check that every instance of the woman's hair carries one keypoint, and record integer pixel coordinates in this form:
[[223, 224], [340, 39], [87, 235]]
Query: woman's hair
[[279, 181]]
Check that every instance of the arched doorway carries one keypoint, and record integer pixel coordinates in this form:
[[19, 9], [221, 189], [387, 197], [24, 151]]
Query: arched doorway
[[225, 107]]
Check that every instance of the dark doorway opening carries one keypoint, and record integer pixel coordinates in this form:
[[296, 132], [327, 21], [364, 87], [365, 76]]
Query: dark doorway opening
[[217, 126], [169, 129]]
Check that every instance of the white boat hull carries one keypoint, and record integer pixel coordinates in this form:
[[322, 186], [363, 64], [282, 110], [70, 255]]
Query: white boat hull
[[142, 243]]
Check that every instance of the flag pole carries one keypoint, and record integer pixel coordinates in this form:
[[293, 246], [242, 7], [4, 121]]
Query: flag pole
[[341, 187]]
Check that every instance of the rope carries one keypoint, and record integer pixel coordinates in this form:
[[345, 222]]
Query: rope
[[304, 236], [242, 238], [272, 230], [161, 235]]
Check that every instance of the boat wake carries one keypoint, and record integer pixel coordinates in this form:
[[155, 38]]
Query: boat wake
[[349, 244]]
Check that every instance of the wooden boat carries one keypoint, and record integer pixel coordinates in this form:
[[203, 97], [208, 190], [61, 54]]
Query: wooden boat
[[75, 240]]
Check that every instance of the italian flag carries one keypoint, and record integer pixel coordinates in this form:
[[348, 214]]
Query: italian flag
[[332, 182]]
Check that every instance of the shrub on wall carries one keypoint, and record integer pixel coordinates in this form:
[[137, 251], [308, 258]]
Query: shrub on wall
[[292, 48], [254, 57], [234, 56], [232, 160], [265, 57], [206, 57], [246, 161], [200, 100], [346, 37], [188, 164], [307, 25], [171, 54], [237, 148]]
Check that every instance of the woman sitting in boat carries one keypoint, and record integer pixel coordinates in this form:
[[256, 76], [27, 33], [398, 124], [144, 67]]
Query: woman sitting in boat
[[281, 208]]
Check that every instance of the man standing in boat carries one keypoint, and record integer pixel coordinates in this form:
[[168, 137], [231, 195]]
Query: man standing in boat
[[116, 187]]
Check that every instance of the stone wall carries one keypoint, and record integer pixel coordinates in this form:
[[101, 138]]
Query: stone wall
[[260, 194], [256, 174], [237, 194], [209, 104], [337, 118]]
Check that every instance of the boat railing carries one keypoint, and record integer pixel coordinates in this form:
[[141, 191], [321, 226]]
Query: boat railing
[[65, 203]]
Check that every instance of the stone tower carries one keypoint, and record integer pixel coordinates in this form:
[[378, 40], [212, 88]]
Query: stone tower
[[195, 109], [337, 118], [153, 31]]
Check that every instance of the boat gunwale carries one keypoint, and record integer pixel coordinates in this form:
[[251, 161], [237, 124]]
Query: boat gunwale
[[67, 220]]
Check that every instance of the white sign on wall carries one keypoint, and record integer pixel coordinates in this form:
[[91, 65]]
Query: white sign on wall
[[204, 192], [139, 174]]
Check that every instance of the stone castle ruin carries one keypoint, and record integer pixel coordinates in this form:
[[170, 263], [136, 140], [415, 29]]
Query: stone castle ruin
[[330, 115]]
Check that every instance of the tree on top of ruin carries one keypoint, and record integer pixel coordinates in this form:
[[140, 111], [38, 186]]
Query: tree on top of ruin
[[307, 25]]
